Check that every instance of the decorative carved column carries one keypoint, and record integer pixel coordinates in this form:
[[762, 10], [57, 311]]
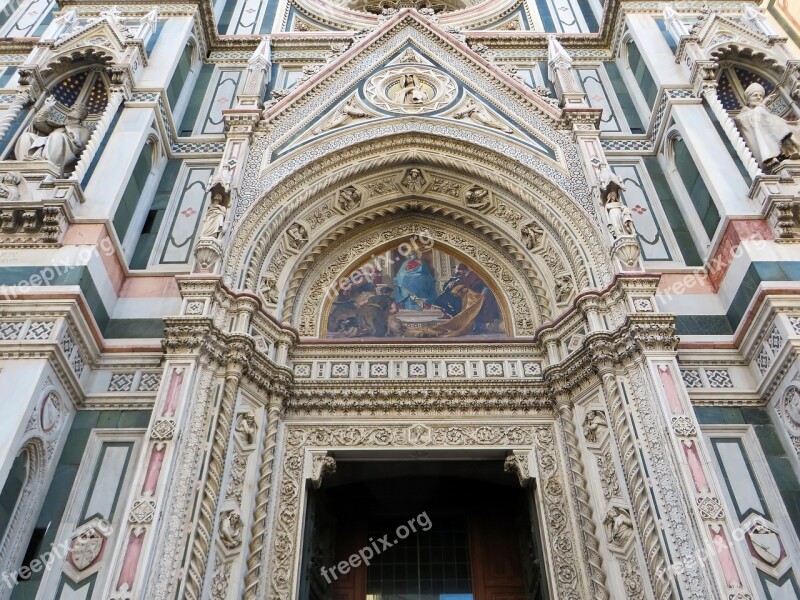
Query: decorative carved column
[[117, 95], [21, 101], [654, 422], [639, 491], [587, 532], [237, 353], [258, 540]]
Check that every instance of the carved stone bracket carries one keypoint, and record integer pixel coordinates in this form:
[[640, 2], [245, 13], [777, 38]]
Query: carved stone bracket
[[319, 465]]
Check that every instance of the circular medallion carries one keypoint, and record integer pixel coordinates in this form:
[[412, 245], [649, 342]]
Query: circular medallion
[[410, 90], [50, 412], [791, 410]]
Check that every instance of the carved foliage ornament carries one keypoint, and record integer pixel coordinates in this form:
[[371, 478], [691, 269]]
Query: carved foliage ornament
[[290, 486]]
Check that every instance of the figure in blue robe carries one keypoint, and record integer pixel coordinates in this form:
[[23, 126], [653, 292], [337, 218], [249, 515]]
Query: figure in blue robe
[[414, 281]]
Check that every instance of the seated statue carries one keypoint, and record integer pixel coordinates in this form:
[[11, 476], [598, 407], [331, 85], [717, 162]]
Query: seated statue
[[60, 144], [770, 138]]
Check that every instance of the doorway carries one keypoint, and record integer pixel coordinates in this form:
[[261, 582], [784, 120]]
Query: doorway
[[421, 530]]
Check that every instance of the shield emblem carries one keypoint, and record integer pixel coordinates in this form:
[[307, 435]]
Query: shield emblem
[[86, 548], [766, 545]]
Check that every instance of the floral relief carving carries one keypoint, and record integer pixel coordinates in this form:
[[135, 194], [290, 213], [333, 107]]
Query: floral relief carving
[[286, 523]]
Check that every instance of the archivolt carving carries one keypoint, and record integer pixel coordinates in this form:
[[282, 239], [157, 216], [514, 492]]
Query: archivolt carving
[[332, 256], [505, 216], [553, 208]]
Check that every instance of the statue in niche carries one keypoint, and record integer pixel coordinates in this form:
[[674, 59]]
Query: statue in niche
[[593, 425], [620, 220], [770, 138], [563, 288], [58, 143], [214, 222], [297, 236], [477, 198], [246, 428], [414, 181], [349, 198], [269, 288], [411, 91], [478, 114], [531, 235], [9, 187], [619, 526], [344, 114], [230, 529]]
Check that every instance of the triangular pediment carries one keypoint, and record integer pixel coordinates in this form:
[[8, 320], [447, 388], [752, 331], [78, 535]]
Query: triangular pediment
[[410, 71]]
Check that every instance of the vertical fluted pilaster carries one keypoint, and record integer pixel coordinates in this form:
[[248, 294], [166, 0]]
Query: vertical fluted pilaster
[[21, 100], [591, 547], [258, 538], [100, 130]]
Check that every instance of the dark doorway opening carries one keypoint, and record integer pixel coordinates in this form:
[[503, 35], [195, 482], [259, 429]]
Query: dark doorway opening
[[421, 530]]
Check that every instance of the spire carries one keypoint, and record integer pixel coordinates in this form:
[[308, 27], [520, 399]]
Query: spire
[[560, 72], [258, 74], [147, 26]]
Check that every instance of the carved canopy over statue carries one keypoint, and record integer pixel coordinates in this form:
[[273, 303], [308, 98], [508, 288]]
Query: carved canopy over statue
[[770, 138], [59, 143]]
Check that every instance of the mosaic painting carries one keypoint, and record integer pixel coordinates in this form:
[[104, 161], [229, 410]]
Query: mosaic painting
[[414, 291]]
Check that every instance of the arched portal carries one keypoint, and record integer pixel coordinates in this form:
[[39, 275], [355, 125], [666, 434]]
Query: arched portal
[[535, 246]]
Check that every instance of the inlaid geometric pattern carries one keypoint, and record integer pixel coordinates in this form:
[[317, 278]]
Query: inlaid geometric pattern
[[39, 330], [494, 369], [77, 364], [692, 378], [340, 370], [67, 343], [456, 369], [775, 341], [9, 330], [763, 360], [379, 369], [719, 378], [150, 382], [120, 382], [531, 369], [417, 370], [302, 370], [795, 323]]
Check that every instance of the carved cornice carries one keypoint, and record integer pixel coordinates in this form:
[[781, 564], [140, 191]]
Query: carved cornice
[[199, 336]]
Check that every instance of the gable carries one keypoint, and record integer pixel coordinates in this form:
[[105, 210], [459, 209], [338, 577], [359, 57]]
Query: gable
[[372, 101]]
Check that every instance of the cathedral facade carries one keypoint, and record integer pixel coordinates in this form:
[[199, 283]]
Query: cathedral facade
[[400, 300]]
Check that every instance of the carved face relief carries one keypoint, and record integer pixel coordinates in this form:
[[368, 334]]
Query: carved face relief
[[410, 90]]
